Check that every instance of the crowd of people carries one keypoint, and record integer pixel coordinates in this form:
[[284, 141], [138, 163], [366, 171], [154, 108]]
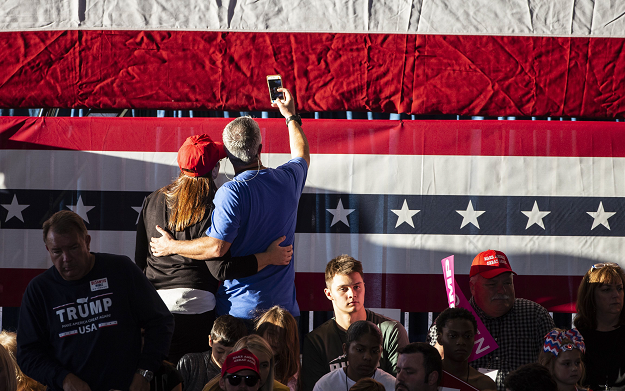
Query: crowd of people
[[211, 305]]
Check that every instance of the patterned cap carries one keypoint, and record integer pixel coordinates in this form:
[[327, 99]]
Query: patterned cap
[[554, 341], [490, 264]]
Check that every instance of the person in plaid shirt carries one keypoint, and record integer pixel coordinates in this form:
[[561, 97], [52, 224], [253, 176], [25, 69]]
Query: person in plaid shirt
[[517, 325]]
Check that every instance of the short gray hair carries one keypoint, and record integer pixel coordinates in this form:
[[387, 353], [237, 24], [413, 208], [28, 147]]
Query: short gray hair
[[242, 138]]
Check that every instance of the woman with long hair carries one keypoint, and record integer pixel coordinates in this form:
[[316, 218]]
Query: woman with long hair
[[8, 379], [601, 321], [261, 349], [184, 208], [279, 328], [8, 340]]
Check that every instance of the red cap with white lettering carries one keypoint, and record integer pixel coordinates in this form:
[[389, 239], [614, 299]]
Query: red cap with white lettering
[[240, 360], [490, 263]]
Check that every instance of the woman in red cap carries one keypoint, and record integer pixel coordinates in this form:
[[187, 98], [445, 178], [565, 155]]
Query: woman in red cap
[[184, 208]]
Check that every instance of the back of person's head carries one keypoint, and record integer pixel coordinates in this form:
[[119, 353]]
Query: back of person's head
[[454, 313], [190, 197], [598, 275], [367, 384], [362, 327], [242, 139], [432, 361], [8, 340], [530, 377], [64, 222], [279, 328], [227, 330], [343, 264], [256, 343], [8, 373]]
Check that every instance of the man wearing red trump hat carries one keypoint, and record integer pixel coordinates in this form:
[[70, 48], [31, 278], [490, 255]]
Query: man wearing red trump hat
[[517, 325]]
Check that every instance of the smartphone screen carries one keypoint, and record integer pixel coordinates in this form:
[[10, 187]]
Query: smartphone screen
[[274, 84]]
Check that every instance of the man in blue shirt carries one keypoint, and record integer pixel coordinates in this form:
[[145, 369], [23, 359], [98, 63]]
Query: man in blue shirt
[[258, 206]]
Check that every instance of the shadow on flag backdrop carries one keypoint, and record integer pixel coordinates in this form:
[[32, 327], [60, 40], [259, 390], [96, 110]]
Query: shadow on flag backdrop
[[397, 195]]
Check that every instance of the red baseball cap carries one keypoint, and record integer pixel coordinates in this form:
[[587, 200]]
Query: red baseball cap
[[199, 155], [489, 264], [238, 361]]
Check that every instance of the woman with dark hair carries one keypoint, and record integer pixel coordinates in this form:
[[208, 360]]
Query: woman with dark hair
[[279, 328], [363, 349], [184, 208], [600, 319]]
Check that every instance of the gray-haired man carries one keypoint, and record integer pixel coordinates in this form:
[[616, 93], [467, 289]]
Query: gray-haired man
[[258, 206]]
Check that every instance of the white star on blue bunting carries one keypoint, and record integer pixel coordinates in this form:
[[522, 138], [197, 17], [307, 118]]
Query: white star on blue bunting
[[340, 214]]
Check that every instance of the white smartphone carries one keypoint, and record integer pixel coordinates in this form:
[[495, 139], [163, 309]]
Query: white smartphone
[[274, 82]]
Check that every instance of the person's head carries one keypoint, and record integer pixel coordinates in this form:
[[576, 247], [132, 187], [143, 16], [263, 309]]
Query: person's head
[[363, 349], [367, 384], [419, 368], [261, 349], [189, 196], [66, 239], [562, 354], [240, 372], [600, 293], [279, 328], [226, 331], [8, 340], [344, 284], [530, 377], [8, 379], [199, 155], [491, 283], [242, 140], [456, 328]]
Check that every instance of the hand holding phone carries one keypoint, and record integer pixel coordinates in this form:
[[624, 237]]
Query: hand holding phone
[[274, 82]]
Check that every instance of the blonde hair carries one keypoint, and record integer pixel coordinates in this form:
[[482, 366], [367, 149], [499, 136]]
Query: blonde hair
[[8, 379], [280, 322], [188, 200], [256, 342], [9, 341], [250, 342]]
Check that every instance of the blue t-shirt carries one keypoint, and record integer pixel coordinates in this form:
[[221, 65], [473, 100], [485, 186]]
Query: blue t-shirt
[[251, 212]]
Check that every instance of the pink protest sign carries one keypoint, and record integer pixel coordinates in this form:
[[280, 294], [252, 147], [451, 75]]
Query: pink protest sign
[[484, 342]]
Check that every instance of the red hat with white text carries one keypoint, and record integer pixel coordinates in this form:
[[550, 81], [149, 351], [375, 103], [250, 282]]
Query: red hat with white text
[[238, 361], [199, 154], [490, 264]]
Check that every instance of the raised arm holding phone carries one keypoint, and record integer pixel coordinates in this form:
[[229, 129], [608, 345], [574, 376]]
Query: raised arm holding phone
[[239, 227]]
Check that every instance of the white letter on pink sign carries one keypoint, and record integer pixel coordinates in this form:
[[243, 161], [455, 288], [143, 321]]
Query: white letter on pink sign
[[484, 342], [448, 269]]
